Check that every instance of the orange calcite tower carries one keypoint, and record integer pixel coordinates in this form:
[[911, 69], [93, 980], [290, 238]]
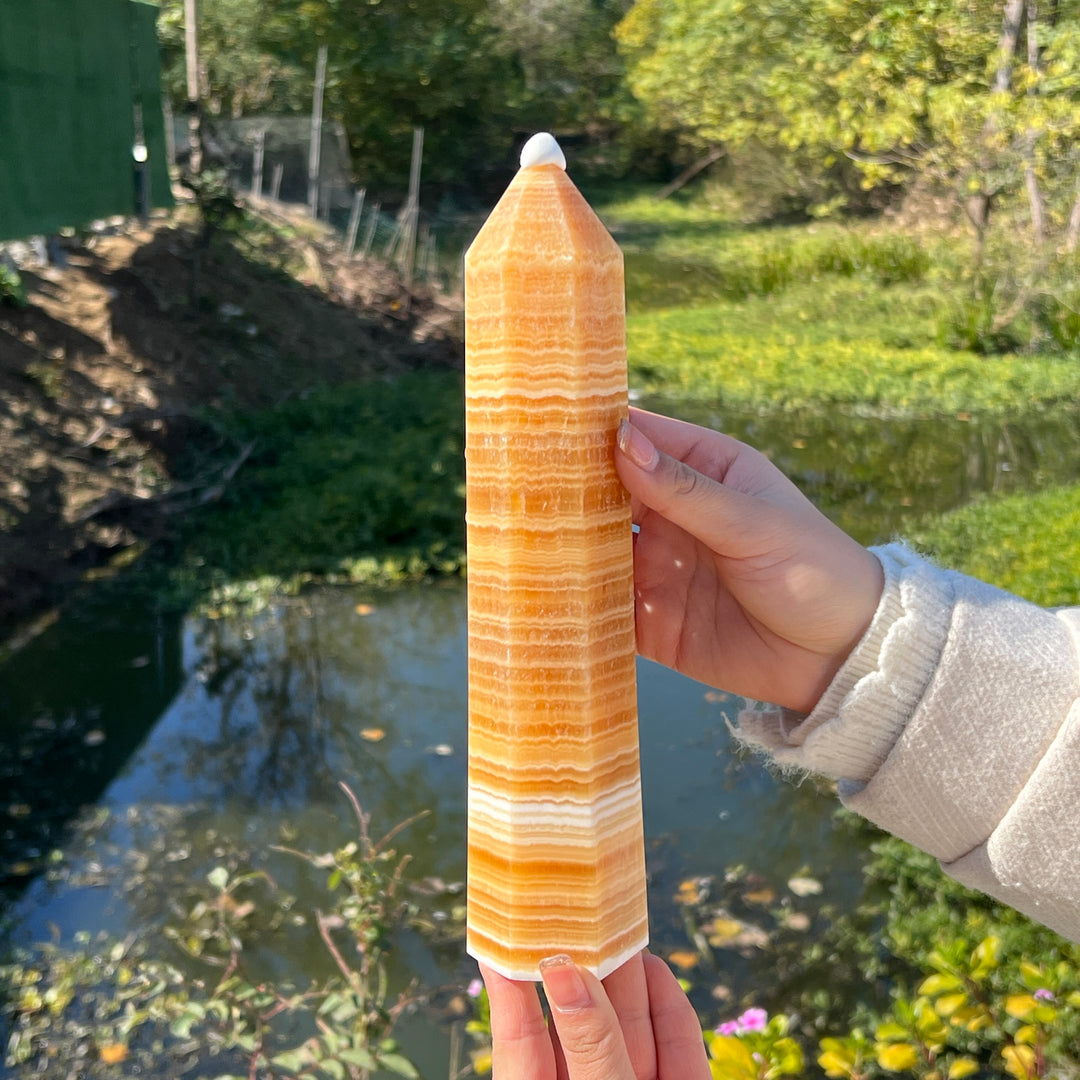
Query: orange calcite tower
[[556, 851]]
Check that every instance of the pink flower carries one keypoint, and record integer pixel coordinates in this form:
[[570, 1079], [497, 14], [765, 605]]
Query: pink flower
[[474, 988], [1042, 994], [753, 1020]]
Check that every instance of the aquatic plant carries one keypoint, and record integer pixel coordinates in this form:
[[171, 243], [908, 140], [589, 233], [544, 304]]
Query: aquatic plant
[[129, 1004]]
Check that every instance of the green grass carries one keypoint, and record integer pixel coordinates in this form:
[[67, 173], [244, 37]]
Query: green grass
[[364, 481], [1027, 544], [817, 315], [353, 483], [361, 469], [838, 343]]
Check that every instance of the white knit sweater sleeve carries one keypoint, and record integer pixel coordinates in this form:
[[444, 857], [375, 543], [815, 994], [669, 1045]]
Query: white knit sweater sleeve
[[955, 724]]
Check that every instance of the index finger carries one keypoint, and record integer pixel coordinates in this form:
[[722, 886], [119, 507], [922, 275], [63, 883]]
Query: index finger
[[680, 1046], [521, 1047]]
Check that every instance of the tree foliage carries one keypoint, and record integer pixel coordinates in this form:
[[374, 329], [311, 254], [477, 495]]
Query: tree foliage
[[478, 75], [935, 87]]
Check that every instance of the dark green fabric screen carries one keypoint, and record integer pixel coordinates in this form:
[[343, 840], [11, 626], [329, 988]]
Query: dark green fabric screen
[[76, 76]]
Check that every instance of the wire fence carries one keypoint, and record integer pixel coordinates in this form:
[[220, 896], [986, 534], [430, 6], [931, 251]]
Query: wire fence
[[269, 158]]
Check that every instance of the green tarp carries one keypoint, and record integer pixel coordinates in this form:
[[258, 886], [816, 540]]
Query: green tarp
[[77, 80]]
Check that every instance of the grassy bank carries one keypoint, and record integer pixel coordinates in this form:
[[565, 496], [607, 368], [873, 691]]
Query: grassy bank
[[860, 316], [1028, 544], [362, 481], [365, 481]]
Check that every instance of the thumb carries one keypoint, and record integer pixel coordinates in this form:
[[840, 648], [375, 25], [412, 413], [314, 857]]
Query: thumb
[[586, 1023]]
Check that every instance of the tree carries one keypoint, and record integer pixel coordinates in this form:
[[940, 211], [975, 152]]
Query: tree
[[239, 72], [977, 94]]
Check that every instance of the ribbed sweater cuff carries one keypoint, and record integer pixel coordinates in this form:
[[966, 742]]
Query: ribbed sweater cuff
[[855, 724]]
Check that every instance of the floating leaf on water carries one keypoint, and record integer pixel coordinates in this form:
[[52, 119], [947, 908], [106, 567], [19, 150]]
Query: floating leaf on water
[[218, 877], [728, 933], [796, 920], [760, 896], [429, 886], [722, 930], [684, 958], [113, 1053], [804, 886], [365, 609], [372, 734], [692, 890]]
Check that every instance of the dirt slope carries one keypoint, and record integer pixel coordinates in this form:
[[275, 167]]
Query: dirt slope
[[106, 375]]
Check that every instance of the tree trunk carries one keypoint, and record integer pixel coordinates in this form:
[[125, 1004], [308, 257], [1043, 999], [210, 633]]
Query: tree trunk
[[194, 110], [688, 174], [1031, 179], [1072, 235], [977, 208], [978, 205], [1012, 17]]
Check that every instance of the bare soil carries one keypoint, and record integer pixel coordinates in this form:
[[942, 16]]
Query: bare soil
[[110, 377]]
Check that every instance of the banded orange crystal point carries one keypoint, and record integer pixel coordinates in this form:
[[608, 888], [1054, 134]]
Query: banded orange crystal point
[[556, 858]]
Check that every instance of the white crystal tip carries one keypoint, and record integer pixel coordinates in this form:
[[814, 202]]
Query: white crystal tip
[[542, 149]]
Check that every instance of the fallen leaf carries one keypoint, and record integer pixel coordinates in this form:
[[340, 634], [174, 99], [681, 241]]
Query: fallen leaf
[[113, 1053], [689, 892], [725, 933], [760, 896], [372, 734], [804, 886], [796, 920], [722, 931], [683, 958]]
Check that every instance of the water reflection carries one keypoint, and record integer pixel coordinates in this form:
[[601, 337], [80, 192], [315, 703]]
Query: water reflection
[[876, 477], [274, 709], [209, 741]]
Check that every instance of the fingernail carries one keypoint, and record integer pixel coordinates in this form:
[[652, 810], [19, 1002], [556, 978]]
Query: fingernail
[[565, 988], [637, 446]]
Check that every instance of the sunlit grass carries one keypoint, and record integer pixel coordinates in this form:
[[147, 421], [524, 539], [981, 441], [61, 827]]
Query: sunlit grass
[[1027, 544], [812, 315]]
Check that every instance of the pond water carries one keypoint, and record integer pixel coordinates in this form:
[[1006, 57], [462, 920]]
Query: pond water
[[153, 750]]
